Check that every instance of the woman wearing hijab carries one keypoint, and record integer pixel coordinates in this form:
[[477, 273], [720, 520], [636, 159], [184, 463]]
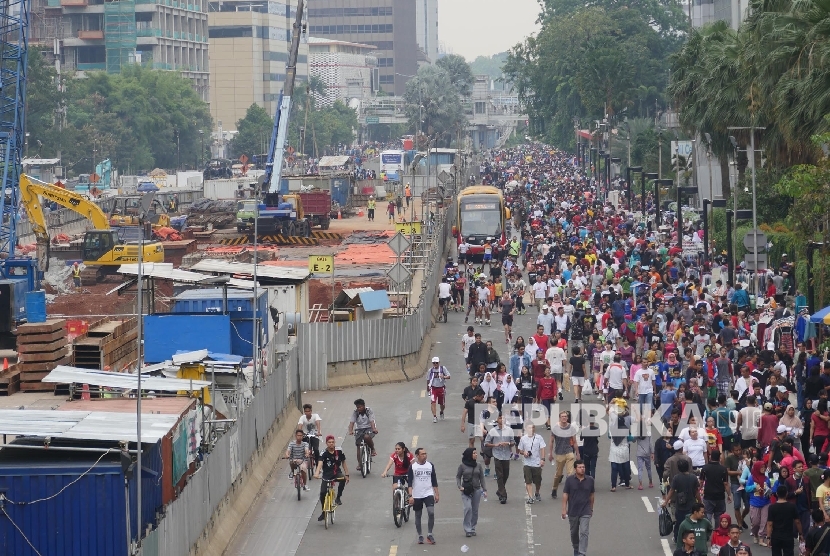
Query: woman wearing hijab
[[758, 488], [794, 425], [531, 348], [511, 391], [488, 385], [470, 481]]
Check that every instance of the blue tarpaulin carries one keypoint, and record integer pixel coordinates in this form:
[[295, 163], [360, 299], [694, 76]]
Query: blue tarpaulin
[[376, 300]]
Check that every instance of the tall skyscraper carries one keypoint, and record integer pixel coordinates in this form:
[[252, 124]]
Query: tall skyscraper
[[426, 19], [388, 25]]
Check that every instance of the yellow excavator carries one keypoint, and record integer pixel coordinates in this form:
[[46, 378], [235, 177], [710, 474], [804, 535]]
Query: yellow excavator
[[102, 251]]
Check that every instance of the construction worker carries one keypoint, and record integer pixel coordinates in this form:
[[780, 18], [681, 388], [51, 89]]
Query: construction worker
[[172, 205], [370, 205], [76, 274], [408, 194]]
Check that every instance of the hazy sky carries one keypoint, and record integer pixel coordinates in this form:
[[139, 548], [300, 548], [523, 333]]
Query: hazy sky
[[484, 27]]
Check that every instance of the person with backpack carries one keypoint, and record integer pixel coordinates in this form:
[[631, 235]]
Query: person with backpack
[[817, 539], [685, 491]]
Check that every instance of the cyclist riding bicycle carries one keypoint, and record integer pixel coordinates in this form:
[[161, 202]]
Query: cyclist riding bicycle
[[444, 292], [331, 466], [362, 426], [310, 423], [401, 458], [297, 454]]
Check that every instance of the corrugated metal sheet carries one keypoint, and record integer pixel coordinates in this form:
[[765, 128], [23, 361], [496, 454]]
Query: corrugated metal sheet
[[63, 374], [265, 271], [86, 519], [85, 425]]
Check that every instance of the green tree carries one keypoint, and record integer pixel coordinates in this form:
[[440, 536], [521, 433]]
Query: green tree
[[489, 65], [44, 100], [459, 71], [433, 105], [253, 131]]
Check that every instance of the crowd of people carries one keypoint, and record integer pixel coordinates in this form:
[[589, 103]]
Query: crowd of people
[[729, 422], [626, 316]]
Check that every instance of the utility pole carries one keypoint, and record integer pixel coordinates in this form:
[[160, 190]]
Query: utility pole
[[659, 154], [751, 159]]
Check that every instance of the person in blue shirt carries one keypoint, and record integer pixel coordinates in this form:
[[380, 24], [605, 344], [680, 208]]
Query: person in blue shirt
[[740, 298]]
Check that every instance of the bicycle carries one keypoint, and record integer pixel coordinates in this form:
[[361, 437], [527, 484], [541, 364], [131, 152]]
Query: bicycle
[[299, 483], [365, 458], [329, 506], [312, 456], [400, 504], [443, 310]]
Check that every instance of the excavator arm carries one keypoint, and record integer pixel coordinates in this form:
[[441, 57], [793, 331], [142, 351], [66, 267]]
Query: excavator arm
[[31, 188]]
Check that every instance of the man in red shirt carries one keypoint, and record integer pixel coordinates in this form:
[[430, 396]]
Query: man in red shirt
[[541, 339], [546, 392]]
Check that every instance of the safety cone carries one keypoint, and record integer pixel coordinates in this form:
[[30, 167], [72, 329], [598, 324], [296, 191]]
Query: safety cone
[[360, 212], [5, 363], [339, 215]]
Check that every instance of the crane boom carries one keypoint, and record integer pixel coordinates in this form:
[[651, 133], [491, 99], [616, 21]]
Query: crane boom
[[273, 167]]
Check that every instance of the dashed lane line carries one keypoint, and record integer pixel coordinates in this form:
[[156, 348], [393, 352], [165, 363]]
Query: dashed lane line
[[666, 547], [531, 547], [393, 550], [414, 442], [423, 393], [647, 502], [418, 415]]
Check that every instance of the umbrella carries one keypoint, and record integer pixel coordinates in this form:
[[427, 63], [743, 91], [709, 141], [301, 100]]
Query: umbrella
[[146, 186], [822, 316]]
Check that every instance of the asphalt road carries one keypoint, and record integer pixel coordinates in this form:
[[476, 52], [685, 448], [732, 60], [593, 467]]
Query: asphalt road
[[624, 522]]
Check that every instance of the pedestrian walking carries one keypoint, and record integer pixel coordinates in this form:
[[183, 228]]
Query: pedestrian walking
[[716, 490], [532, 449], [370, 205], [500, 441], [423, 492], [685, 492], [578, 506], [76, 274], [437, 386], [565, 449], [696, 523], [645, 455], [390, 209], [470, 481], [781, 518]]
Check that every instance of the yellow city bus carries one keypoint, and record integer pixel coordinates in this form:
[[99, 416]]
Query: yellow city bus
[[481, 218]]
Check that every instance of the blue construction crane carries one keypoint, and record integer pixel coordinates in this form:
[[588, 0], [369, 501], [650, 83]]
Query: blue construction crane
[[17, 275], [276, 151]]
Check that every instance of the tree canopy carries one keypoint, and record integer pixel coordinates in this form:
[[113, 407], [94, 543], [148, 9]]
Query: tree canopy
[[433, 104], [139, 119], [595, 59]]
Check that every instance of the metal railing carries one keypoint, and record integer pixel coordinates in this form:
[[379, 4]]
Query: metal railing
[[320, 344]]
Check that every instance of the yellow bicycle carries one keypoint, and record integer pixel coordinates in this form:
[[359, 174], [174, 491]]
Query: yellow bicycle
[[329, 506]]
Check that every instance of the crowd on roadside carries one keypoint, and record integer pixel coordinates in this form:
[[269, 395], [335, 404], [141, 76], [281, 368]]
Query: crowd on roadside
[[626, 318]]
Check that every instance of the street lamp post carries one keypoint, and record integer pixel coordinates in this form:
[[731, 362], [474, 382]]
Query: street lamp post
[[657, 183], [628, 172], [201, 148], [751, 159]]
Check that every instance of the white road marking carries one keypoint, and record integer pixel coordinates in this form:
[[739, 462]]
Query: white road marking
[[414, 442], [393, 550], [633, 468], [423, 393], [649, 507], [418, 415], [531, 547], [666, 547]]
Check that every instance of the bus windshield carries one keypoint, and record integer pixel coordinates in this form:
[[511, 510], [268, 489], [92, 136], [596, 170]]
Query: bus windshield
[[481, 222]]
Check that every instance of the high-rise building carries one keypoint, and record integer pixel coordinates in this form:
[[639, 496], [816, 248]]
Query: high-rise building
[[708, 11], [94, 35], [249, 43], [426, 24], [388, 25], [348, 69]]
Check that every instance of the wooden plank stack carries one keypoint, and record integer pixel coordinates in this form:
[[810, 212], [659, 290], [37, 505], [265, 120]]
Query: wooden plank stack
[[9, 381], [109, 343], [41, 347]]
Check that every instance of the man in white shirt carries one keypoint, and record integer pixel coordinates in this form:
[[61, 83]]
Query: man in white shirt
[[556, 358], [540, 291], [444, 292], [701, 341], [483, 305], [423, 491], [467, 340], [532, 448], [561, 322], [545, 320], [463, 247], [310, 423], [616, 376]]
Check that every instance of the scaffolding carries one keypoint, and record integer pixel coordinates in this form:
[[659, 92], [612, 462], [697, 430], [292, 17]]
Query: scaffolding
[[14, 29], [119, 34]]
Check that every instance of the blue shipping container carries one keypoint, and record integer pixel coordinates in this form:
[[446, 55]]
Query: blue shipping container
[[167, 334], [340, 189], [86, 519], [209, 300], [36, 306]]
